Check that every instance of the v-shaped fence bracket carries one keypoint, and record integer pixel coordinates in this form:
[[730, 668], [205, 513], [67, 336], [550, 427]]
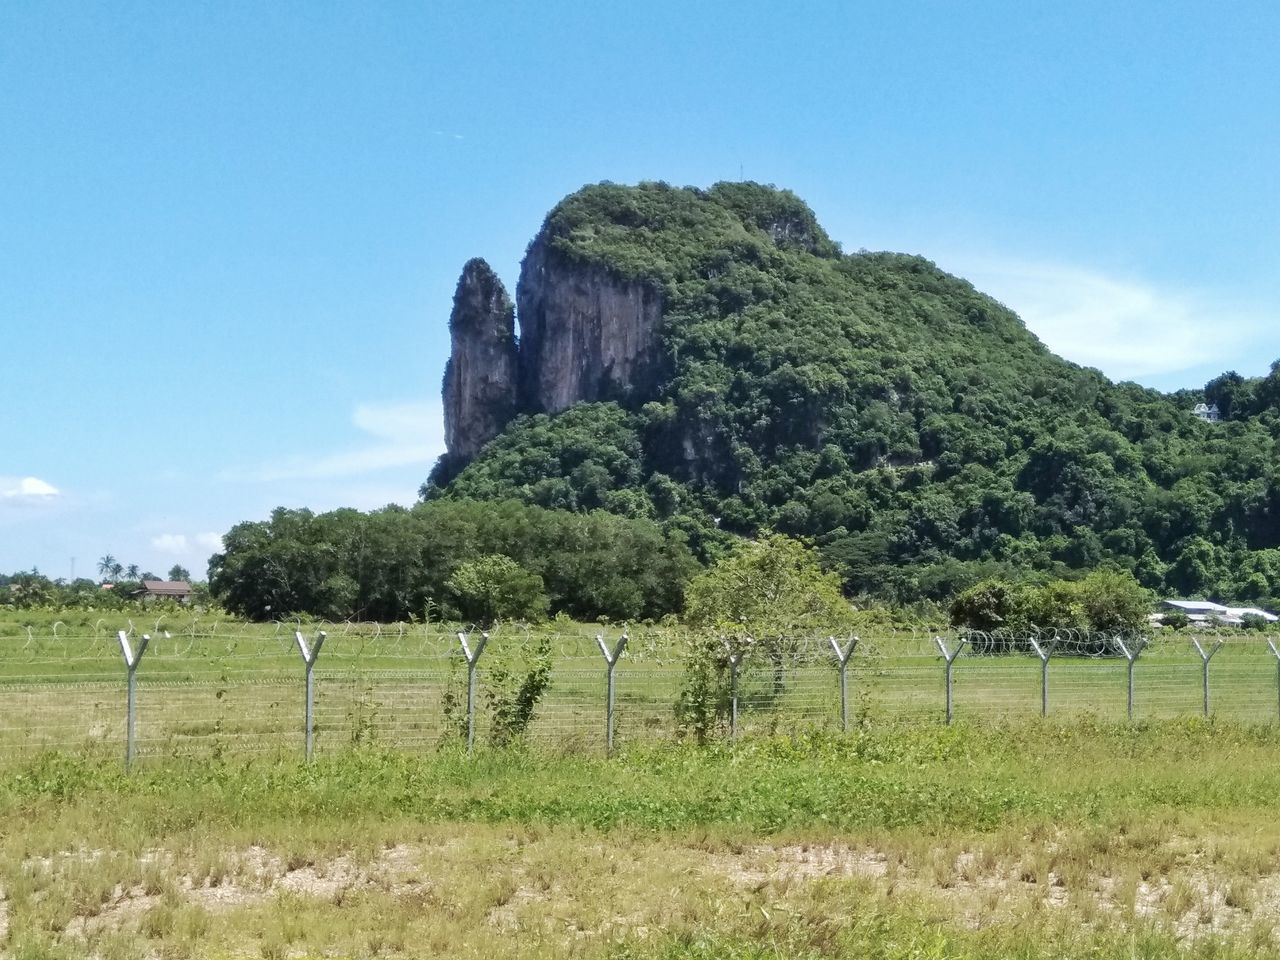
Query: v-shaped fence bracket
[[843, 653], [132, 658], [611, 657]]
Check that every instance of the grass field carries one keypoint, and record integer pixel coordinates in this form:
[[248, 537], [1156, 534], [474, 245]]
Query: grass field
[[1005, 835], [1082, 839]]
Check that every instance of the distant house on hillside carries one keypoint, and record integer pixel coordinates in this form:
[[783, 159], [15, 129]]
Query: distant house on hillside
[[1208, 412], [178, 590], [1203, 611]]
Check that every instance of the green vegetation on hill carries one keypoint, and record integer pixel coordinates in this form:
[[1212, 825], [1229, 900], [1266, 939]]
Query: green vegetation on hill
[[907, 423]]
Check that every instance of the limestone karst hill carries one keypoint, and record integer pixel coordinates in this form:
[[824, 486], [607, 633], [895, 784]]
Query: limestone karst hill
[[710, 359]]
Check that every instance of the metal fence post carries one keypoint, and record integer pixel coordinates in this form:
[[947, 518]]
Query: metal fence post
[[309, 656], [611, 661], [843, 654], [1276, 653], [473, 657], [1044, 653], [950, 657], [735, 661], [1138, 645], [131, 660], [1204, 668]]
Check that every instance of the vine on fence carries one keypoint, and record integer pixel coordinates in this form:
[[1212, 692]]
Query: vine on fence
[[512, 698], [704, 700], [511, 691], [362, 716]]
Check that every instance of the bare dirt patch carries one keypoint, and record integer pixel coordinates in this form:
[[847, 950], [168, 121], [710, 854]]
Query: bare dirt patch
[[975, 887]]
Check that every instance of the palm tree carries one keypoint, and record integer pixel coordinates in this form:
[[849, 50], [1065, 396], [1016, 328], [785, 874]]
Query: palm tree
[[116, 570], [106, 565], [131, 572]]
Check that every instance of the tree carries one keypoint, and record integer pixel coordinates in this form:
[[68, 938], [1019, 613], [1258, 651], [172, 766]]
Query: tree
[[767, 587], [990, 605], [179, 572], [495, 587], [106, 566], [769, 591], [1114, 602], [1105, 603], [31, 590], [131, 572]]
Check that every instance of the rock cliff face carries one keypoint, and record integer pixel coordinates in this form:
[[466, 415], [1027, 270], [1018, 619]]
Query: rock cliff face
[[584, 335], [480, 385]]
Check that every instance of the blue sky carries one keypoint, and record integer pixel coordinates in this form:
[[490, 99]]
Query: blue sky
[[230, 232]]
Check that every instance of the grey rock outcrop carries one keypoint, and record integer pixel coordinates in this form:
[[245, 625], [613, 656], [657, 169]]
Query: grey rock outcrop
[[480, 379], [585, 335]]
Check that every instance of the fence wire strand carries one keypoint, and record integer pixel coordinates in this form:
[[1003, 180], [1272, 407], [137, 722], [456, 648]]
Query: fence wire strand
[[212, 688]]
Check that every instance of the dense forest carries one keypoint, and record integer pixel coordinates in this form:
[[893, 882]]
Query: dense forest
[[907, 425], [438, 559]]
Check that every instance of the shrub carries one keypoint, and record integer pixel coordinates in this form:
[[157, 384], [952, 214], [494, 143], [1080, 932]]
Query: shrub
[[1252, 621]]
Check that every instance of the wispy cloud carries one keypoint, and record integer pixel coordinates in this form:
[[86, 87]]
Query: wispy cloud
[[448, 134], [180, 545], [174, 544], [27, 490], [402, 435], [1125, 327]]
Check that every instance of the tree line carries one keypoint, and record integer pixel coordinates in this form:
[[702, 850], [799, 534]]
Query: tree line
[[458, 558], [119, 587]]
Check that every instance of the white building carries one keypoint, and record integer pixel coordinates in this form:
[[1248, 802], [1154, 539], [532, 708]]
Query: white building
[[1208, 412], [1202, 611]]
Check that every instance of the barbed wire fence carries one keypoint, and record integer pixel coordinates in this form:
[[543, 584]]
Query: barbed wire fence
[[216, 689]]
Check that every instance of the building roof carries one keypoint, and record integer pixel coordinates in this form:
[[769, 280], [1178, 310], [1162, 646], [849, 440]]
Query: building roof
[[1197, 609], [167, 588], [1196, 606], [1251, 611]]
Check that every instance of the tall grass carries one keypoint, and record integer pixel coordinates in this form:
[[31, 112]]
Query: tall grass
[[1089, 839]]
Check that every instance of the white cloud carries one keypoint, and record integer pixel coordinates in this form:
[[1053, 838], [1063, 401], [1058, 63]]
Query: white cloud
[[171, 543], [27, 490], [404, 434], [1126, 328], [209, 541]]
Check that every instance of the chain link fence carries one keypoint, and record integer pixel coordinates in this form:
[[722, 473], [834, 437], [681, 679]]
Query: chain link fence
[[204, 690]]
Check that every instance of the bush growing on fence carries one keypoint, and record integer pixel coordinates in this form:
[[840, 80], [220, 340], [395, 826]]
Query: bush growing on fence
[[514, 683], [1096, 609], [513, 693], [703, 703], [773, 590]]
